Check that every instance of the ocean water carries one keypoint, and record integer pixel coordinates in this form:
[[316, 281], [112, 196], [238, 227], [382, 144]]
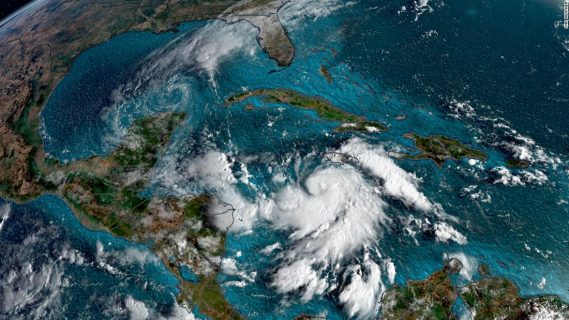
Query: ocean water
[[492, 74], [479, 52]]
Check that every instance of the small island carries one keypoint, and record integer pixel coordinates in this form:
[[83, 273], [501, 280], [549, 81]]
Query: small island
[[323, 108], [517, 163], [326, 74], [440, 148], [489, 298]]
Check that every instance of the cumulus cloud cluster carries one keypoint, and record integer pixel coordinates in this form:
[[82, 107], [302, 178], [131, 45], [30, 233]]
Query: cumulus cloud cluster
[[502, 135], [331, 217], [361, 295], [202, 50], [418, 7], [334, 212], [26, 287], [218, 41], [498, 133], [294, 12], [30, 287], [137, 310], [5, 211], [508, 178], [397, 183]]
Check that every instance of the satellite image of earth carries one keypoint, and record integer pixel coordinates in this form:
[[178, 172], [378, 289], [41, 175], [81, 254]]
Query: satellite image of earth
[[285, 159]]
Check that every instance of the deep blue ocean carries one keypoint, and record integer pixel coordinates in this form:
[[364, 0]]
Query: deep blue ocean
[[507, 61]]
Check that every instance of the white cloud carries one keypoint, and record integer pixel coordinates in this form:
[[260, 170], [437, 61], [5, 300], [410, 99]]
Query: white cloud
[[139, 311], [331, 216], [362, 295], [270, 248], [72, 256], [469, 264], [111, 260], [390, 267], [202, 50], [36, 288], [300, 274], [397, 183], [293, 13], [5, 211], [445, 233], [329, 196], [230, 266], [239, 284], [418, 7], [508, 178], [542, 283]]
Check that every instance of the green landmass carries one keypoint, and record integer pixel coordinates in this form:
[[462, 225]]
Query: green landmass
[[210, 300], [489, 298], [425, 299], [498, 298], [323, 108], [484, 270], [108, 190], [441, 148], [517, 163], [106, 193]]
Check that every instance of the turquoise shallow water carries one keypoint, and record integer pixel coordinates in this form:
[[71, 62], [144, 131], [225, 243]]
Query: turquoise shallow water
[[508, 61]]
